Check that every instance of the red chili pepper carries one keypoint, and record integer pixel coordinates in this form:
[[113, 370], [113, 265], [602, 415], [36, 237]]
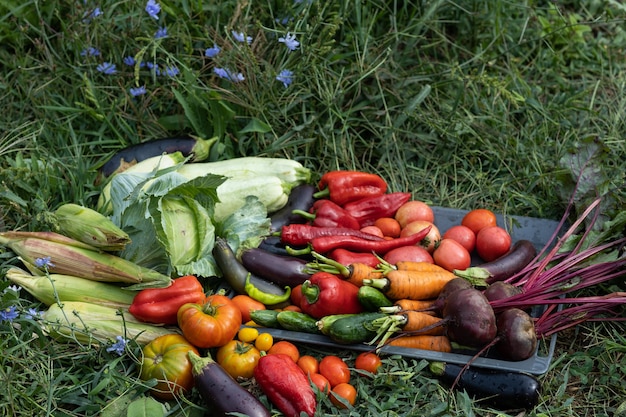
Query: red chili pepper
[[325, 294], [325, 244], [367, 210], [346, 257], [302, 234], [325, 213], [286, 385], [346, 186], [160, 305]]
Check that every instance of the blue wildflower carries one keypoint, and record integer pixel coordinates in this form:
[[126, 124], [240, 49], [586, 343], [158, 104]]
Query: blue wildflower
[[129, 60], [241, 37], [90, 15], [33, 314], [229, 75], [285, 77], [153, 8], [9, 314], [44, 262], [161, 33], [106, 68], [91, 51], [153, 67], [172, 71], [119, 346], [290, 41], [138, 91], [212, 52]]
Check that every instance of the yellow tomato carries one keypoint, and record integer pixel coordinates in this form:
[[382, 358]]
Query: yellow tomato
[[264, 342], [248, 334]]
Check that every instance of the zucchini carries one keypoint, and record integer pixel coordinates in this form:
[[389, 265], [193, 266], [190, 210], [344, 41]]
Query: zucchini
[[372, 299], [355, 329], [265, 318], [325, 322], [297, 321]]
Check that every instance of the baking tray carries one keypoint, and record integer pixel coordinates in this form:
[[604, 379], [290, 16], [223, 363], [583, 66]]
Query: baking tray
[[538, 231]]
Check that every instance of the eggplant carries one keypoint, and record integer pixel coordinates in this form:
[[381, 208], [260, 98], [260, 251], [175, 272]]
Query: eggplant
[[279, 269], [221, 392], [300, 198], [504, 390]]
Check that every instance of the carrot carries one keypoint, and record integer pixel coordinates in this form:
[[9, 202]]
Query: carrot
[[355, 273], [358, 272], [415, 305], [418, 266], [414, 285], [422, 323], [435, 343]]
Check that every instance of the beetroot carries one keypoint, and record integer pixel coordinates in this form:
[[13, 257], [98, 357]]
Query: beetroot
[[517, 339], [450, 287], [469, 318], [500, 290]]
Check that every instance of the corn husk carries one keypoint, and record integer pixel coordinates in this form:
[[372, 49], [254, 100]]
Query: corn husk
[[95, 324], [71, 257], [56, 288]]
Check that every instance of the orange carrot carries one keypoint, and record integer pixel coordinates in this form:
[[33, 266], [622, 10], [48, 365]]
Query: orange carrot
[[421, 323], [415, 305], [413, 285], [435, 343], [418, 266], [359, 272]]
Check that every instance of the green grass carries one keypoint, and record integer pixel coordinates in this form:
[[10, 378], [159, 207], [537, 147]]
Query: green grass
[[465, 104]]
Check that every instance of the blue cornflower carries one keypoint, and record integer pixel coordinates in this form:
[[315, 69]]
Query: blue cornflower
[[172, 71], [229, 75], [129, 60], [106, 68], [153, 8], [33, 314], [290, 41], [119, 346], [9, 314], [241, 37], [161, 33], [91, 51], [138, 91], [153, 67], [43, 262], [285, 77], [90, 15], [212, 52]]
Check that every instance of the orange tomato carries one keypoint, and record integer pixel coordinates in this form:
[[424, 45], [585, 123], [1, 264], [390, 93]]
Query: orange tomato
[[368, 361], [344, 391], [462, 234], [320, 382], [309, 364], [389, 226], [246, 304], [479, 218], [264, 342], [412, 211], [286, 348], [334, 369], [417, 226]]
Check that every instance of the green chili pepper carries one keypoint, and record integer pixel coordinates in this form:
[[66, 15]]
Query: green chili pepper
[[263, 297]]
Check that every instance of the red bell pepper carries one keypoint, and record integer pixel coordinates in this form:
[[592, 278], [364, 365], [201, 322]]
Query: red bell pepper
[[325, 213], [367, 210], [302, 234], [160, 305], [326, 294], [346, 186]]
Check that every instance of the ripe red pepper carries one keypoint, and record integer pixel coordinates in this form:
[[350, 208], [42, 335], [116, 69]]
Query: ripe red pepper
[[367, 210], [160, 305], [285, 384], [325, 213], [302, 234], [346, 186], [326, 294], [346, 257]]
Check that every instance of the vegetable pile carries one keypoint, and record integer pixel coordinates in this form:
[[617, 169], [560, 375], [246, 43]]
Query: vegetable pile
[[202, 263]]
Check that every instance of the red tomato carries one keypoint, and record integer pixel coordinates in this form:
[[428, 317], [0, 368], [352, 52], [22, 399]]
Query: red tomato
[[408, 253], [213, 323], [320, 382], [296, 295], [373, 230], [247, 304], [492, 242], [462, 234], [412, 211], [389, 226], [478, 218], [451, 255], [345, 391], [417, 226], [368, 361], [334, 369]]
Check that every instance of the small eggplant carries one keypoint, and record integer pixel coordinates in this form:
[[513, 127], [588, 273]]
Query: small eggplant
[[221, 392], [279, 269], [300, 198], [505, 390]]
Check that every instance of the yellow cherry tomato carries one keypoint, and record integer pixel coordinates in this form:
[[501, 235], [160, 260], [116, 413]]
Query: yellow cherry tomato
[[264, 342], [247, 334]]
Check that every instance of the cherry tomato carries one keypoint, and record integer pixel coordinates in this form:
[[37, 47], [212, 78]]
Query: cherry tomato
[[309, 364], [238, 358], [246, 304], [408, 253], [264, 342], [412, 211], [492, 242], [344, 391], [478, 218], [389, 226], [165, 359], [368, 361], [462, 234], [286, 348], [334, 369], [248, 334], [451, 255], [320, 382], [417, 226]]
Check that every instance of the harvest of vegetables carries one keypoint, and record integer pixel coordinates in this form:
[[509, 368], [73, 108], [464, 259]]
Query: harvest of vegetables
[[174, 260]]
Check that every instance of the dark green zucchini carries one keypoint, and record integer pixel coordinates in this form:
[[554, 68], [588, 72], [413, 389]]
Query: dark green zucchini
[[354, 329], [297, 321]]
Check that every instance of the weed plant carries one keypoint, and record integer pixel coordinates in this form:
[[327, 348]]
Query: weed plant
[[465, 104]]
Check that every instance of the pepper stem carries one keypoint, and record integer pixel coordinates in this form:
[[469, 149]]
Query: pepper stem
[[310, 292], [305, 214], [322, 193]]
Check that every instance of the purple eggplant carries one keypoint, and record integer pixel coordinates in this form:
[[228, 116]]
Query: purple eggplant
[[279, 269], [300, 198]]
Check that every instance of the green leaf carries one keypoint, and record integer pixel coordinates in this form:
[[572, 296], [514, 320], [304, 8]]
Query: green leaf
[[247, 224], [256, 126], [146, 407]]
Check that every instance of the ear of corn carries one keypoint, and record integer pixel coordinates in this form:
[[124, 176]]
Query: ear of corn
[[61, 288], [89, 226], [95, 324], [79, 260]]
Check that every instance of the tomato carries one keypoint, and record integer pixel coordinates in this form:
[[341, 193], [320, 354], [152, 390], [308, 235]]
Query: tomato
[[334, 369], [320, 382], [478, 218], [238, 358], [373, 230], [389, 226], [210, 324], [264, 342], [165, 359], [417, 226], [462, 234], [408, 253], [292, 307], [451, 255], [296, 295], [492, 242], [368, 361], [412, 211], [309, 364], [245, 303], [344, 391], [248, 334], [286, 348]]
